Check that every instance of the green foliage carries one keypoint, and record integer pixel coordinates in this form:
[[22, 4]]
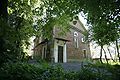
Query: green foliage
[[16, 25], [16, 28], [25, 71], [104, 20], [9, 49], [19, 71]]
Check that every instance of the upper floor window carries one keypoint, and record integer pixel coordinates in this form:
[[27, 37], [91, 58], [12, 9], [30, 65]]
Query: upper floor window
[[83, 39], [75, 34], [74, 22], [76, 39]]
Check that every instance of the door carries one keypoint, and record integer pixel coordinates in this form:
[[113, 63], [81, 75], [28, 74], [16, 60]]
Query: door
[[60, 54]]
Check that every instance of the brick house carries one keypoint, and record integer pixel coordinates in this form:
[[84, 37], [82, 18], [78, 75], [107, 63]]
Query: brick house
[[65, 48]]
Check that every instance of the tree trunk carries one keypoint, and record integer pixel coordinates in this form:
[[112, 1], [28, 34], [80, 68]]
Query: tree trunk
[[110, 54], [105, 55], [3, 9], [3, 21], [117, 47], [101, 54]]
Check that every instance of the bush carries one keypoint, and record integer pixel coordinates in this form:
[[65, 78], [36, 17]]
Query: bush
[[19, 71], [25, 71]]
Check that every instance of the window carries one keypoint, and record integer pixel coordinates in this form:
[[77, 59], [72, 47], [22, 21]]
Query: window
[[74, 22], [84, 53], [76, 39], [75, 34], [44, 52], [83, 39]]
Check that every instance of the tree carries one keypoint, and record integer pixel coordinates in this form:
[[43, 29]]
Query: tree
[[105, 21], [15, 27], [17, 24], [18, 14], [103, 15]]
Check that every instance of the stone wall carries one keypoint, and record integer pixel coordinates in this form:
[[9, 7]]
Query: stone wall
[[75, 53]]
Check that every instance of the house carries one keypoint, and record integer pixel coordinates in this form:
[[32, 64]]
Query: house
[[63, 48]]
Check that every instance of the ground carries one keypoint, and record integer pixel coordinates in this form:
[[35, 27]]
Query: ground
[[71, 66]]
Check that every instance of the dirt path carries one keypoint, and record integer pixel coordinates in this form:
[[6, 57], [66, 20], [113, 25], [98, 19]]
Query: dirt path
[[66, 66], [70, 66]]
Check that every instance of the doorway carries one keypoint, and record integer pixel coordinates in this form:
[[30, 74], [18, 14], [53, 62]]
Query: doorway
[[60, 54]]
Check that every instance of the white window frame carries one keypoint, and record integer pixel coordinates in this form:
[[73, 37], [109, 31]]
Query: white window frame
[[83, 39], [76, 40]]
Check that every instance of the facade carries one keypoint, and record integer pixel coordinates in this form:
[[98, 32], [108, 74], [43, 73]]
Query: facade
[[66, 48]]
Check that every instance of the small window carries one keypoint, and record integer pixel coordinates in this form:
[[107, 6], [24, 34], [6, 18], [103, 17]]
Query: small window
[[75, 34], [83, 39], [74, 22], [76, 39], [85, 53]]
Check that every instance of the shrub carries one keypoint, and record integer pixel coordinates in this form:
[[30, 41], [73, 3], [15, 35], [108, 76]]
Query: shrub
[[19, 71], [44, 71], [25, 71]]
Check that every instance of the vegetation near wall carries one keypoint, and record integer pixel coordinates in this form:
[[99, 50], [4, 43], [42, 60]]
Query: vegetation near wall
[[22, 19], [25, 71], [16, 27]]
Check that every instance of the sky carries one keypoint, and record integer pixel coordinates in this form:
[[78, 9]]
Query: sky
[[84, 21]]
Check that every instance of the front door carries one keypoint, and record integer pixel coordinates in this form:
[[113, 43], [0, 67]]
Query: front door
[[60, 53]]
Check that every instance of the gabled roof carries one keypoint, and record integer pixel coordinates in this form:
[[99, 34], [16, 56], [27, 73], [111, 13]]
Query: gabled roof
[[75, 27]]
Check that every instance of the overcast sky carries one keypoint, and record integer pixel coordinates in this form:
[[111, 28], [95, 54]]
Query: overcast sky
[[81, 17]]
